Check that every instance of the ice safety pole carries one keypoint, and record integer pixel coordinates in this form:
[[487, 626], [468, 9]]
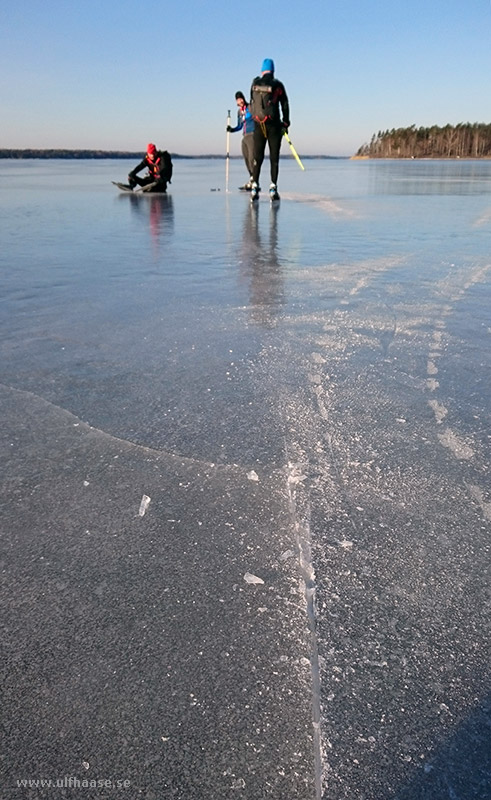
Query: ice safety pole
[[294, 152], [228, 152]]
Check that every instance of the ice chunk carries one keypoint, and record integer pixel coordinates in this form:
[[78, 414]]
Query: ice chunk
[[144, 505], [252, 578]]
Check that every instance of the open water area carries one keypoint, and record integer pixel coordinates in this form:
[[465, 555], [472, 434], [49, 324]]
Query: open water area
[[246, 495]]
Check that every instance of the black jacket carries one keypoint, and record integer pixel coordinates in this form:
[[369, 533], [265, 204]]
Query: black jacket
[[278, 98]]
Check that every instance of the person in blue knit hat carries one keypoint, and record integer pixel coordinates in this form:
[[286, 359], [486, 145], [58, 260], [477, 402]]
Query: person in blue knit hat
[[268, 95]]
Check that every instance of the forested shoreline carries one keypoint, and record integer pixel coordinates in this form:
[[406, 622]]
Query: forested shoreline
[[465, 140], [14, 153], [86, 154]]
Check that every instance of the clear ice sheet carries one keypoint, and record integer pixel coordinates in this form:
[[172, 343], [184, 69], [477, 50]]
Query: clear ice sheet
[[343, 336]]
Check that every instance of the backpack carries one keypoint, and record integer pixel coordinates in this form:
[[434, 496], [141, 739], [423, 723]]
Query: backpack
[[262, 106], [167, 162]]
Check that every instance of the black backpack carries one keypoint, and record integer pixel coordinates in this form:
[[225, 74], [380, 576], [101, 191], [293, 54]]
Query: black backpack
[[262, 106], [167, 161]]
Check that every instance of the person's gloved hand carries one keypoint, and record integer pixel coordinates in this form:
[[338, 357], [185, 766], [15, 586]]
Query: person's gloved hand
[[229, 129]]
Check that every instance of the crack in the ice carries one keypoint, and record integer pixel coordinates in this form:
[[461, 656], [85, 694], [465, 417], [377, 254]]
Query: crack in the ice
[[295, 479], [85, 426]]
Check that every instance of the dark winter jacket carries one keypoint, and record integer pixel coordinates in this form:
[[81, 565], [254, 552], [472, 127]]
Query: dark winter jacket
[[278, 98]]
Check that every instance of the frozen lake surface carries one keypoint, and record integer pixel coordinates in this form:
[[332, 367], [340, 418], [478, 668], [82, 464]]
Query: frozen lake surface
[[303, 392]]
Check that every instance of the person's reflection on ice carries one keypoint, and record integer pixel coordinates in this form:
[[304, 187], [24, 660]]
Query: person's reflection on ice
[[260, 266], [159, 210]]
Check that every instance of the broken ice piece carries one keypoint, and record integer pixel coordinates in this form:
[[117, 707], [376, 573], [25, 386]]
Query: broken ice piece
[[252, 578], [345, 544], [144, 505], [298, 478]]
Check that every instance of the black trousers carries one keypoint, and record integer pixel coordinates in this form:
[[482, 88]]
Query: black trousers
[[160, 186], [271, 133]]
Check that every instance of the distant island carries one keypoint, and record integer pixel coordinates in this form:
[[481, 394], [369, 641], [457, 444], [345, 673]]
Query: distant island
[[465, 140], [58, 153]]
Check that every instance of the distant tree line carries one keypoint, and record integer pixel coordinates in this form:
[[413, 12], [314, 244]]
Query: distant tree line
[[465, 140], [60, 153], [57, 153]]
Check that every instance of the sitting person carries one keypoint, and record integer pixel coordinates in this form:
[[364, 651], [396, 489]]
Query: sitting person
[[159, 165]]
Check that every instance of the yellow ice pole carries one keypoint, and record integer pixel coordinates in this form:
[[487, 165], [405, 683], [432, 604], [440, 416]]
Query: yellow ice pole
[[228, 152], [294, 152]]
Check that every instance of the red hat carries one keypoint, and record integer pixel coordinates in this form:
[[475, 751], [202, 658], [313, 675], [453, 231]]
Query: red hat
[[151, 149]]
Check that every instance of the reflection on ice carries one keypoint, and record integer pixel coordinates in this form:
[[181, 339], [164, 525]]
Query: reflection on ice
[[158, 209], [260, 267], [429, 176]]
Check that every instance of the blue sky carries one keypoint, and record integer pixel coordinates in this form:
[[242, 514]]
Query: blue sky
[[116, 74]]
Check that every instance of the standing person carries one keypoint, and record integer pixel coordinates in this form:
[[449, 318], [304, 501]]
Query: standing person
[[267, 95], [246, 124], [159, 165]]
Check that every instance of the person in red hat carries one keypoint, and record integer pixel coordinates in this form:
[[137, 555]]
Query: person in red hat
[[159, 165]]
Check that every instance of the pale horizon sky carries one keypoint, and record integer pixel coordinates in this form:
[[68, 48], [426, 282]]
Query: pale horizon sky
[[115, 75]]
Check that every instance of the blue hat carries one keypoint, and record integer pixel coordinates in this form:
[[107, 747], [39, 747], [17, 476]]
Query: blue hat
[[268, 65]]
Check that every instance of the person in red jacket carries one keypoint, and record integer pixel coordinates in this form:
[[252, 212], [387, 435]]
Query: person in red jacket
[[159, 165]]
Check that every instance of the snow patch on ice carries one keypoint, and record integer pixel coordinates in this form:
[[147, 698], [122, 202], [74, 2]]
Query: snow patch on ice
[[458, 446], [478, 495], [439, 410]]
